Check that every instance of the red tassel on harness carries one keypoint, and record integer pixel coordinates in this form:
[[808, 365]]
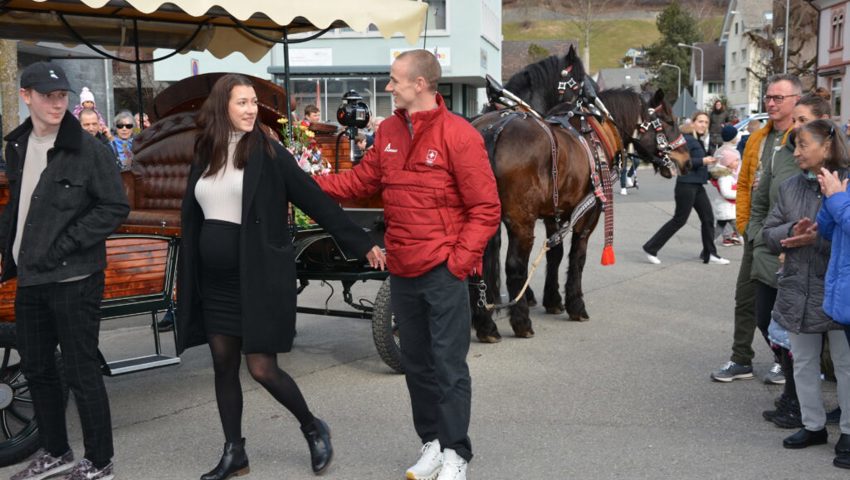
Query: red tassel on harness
[[608, 256]]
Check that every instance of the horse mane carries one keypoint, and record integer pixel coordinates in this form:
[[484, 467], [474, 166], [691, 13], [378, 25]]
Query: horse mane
[[540, 79], [622, 104]]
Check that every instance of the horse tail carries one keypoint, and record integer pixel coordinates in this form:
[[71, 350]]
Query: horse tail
[[492, 268]]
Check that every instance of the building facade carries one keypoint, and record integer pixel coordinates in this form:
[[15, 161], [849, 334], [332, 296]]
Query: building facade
[[466, 36], [833, 55], [743, 89]]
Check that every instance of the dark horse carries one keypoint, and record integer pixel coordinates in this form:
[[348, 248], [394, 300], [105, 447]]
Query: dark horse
[[522, 164], [650, 128]]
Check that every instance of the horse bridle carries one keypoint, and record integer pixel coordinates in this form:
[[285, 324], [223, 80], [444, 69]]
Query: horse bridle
[[663, 146], [569, 82]]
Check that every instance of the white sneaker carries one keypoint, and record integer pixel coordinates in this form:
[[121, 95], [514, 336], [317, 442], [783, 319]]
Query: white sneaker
[[454, 466], [714, 260], [653, 259], [429, 464], [630, 182], [623, 191]]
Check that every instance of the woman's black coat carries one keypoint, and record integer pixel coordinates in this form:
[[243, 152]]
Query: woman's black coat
[[266, 254]]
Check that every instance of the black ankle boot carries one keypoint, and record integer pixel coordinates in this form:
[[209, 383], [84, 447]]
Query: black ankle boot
[[233, 463], [319, 440]]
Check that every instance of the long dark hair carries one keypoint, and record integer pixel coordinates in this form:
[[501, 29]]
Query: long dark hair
[[818, 102], [826, 130], [214, 122]]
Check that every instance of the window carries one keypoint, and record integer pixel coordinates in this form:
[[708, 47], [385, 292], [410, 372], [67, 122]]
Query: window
[[435, 21], [715, 87], [743, 54], [436, 18], [736, 28], [445, 90], [732, 88], [734, 57], [836, 39], [835, 90], [744, 84]]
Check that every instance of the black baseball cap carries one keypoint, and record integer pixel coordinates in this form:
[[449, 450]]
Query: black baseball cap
[[45, 77]]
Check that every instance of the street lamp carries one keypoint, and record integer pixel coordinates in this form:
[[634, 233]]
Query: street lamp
[[701, 71], [678, 84]]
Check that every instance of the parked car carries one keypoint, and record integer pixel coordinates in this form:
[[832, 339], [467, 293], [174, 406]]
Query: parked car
[[742, 125]]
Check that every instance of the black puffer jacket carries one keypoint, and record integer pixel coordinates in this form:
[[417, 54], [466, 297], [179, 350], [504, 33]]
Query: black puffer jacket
[[799, 300]]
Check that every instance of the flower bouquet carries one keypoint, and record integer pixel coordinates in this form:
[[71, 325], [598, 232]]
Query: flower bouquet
[[301, 143]]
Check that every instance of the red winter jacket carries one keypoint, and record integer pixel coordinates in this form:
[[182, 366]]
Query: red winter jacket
[[439, 192]]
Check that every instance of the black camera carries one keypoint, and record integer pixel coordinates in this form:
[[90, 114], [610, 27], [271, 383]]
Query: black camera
[[353, 113]]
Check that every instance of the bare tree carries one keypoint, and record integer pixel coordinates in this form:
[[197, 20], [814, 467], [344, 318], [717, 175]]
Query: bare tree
[[802, 42], [9, 85], [585, 17], [703, 11]]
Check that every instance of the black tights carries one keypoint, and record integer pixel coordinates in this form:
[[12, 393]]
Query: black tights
[[227, 355]]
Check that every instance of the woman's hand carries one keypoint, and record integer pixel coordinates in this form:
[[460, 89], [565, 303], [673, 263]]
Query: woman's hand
[[708, 160], [830, 184], [803, 233], [377, 258]]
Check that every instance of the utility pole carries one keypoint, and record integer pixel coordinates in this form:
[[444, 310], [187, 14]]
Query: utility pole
[[588, 18]]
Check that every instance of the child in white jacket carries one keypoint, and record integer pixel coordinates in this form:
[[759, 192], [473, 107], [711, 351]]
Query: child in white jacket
[[725, 178]]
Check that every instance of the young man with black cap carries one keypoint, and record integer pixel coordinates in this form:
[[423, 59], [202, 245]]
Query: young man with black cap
[[66, 197]]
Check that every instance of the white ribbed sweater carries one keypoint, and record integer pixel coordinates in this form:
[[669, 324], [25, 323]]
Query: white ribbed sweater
[[220, 196]]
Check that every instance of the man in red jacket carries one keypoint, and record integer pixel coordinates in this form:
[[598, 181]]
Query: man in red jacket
[[441, 207]]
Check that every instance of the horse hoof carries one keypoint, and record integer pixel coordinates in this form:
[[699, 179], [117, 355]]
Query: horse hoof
[[555, 310], [531, 302], [579, 318], [490, 339], [525, 334]]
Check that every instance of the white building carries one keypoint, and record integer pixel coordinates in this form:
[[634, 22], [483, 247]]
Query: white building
[[743, 89], [465, 34]]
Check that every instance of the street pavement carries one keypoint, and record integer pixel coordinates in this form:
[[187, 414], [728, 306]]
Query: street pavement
[[626, 395]]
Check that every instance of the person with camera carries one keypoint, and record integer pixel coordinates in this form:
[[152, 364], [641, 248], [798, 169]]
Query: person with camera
[[441, 207]]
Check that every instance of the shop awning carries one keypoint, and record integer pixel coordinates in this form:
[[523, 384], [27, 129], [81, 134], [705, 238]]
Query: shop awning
[[219, 26]]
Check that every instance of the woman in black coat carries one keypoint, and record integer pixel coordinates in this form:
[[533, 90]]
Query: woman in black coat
[[236, 275], [690, 194]]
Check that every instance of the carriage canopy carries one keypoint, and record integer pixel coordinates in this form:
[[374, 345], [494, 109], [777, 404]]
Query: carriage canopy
[[219, 26]]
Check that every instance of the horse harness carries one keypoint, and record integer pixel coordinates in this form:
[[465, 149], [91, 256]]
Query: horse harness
[[601, 187], [663, 146]]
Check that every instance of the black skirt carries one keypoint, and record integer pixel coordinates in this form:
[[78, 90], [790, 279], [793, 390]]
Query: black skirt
[[219, 278]]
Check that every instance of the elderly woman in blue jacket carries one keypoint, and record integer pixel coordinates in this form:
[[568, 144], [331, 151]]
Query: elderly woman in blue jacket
[[834, 225], [801, 287]]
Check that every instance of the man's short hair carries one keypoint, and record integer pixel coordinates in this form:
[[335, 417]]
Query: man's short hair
[[310, 109], [423, 64], [794, 80], [87, 111]]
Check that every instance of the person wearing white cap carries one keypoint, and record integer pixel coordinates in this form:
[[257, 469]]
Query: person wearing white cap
[[87, 103]]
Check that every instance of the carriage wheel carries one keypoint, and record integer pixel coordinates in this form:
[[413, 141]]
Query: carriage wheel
[[385, 329], [18, 429]]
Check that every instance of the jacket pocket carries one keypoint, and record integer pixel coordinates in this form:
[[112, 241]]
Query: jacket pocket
[[67, 192]]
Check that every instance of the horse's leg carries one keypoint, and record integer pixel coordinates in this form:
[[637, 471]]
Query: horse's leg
[[530, 299], [520, 242], [578, 256], [482, 319], [552, 300]]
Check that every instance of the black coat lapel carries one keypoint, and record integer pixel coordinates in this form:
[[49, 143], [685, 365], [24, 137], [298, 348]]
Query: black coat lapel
[[251, 178]]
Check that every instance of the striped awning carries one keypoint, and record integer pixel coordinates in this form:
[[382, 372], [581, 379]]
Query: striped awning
[[219, 26]]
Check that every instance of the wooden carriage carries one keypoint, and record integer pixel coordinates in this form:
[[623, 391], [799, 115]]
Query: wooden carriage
[[142, 254]]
